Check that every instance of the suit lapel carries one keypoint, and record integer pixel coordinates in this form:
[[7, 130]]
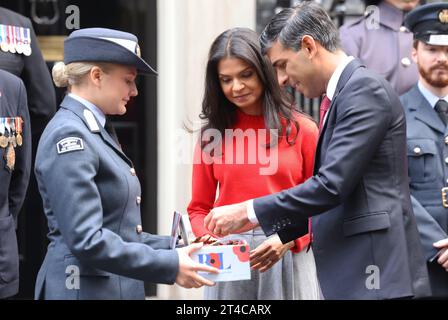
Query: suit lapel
[[345, 76], [424, 111], [78, 108]]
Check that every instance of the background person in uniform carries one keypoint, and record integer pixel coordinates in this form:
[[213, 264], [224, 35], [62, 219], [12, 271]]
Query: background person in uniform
[[90, 188], [28, 64], [241, 93], [15, 167], [426, 106], [363, 225], [382, 44]]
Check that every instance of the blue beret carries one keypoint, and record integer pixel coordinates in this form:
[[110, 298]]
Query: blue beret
[[105, 45], [429, 23]]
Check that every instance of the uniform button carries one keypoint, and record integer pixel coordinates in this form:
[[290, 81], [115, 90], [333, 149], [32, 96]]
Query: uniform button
[[417, 150], [406, 62], [403, 29], [133, 172], [446, 160], [139, 200], [139, 229], [446, 140]]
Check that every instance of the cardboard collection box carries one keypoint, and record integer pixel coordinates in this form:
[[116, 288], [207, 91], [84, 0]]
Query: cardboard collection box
[[232, 260]]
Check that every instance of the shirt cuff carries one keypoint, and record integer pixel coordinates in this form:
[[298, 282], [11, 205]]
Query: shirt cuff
[[251, 212]]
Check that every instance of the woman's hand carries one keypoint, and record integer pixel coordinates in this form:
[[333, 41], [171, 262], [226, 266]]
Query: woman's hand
[[187, 275], [268, 253]]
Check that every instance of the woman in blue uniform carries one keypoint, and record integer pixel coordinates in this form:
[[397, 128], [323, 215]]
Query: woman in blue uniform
[[89, 187]]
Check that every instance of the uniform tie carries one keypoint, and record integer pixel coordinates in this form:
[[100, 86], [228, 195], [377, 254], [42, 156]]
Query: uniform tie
[[324, 106], [442, 110], [111, 130]]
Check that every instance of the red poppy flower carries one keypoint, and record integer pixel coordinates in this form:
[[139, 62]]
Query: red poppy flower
[[242, 252], [214, 260]]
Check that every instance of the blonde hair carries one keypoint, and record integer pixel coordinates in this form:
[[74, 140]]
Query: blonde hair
[[73, 73]]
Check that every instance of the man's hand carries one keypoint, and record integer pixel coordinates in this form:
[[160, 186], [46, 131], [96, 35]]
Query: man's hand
[[443, 253], [268, 253], [187, 276], [225, 220]]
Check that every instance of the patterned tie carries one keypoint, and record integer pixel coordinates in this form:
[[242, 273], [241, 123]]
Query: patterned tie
[[442, 110], [324, 106]]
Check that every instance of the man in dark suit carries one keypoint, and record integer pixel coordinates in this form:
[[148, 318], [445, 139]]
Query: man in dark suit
[[426, 107], [15, 166], [366, 241]]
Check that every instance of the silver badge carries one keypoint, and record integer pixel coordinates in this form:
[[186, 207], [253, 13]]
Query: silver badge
[[70, 144]]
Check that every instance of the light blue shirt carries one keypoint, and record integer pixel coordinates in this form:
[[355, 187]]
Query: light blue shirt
[[99, 115], [429, 96]]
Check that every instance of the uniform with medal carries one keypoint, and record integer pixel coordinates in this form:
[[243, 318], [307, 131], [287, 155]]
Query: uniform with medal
[[426, 107], [21, 56], [383, 44], [15, 167]]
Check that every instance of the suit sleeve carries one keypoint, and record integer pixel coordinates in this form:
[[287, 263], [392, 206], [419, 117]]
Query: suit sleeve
[[363, 117], [40, 89], [69, 183], [155, 241], [428, 228], [203, 195], [21, 174]]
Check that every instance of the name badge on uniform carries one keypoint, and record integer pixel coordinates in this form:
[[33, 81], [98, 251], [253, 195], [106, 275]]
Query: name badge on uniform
[[70, 144]]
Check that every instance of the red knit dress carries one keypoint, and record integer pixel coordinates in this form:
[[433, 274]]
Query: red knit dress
[[235, 173]]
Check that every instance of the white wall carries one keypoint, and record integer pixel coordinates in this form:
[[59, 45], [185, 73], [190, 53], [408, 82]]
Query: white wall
[[186, 29]]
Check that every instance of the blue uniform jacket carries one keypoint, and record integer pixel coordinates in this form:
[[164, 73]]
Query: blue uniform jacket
[[13, 184], [428, 173], [91, 198]]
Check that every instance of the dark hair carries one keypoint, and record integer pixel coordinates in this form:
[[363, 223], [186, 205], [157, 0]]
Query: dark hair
[[220, 113], [292, 24]]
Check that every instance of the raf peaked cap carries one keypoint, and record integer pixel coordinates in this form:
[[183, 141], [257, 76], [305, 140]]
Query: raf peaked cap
[[105, 45], [429, 23]]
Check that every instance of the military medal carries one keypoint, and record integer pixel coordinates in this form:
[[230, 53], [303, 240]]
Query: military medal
[[4, 44], [26, 42], [10, 157], [10, 37], [12, 136], [3, 138], [19, 46], [19, 138]]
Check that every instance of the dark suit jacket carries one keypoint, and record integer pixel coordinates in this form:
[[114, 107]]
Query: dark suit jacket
[[34, 73], [13, 184], [359, 197], [428, 173]]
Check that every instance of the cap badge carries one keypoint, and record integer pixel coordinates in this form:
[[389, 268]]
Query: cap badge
[[443, 16], [139, 53]]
